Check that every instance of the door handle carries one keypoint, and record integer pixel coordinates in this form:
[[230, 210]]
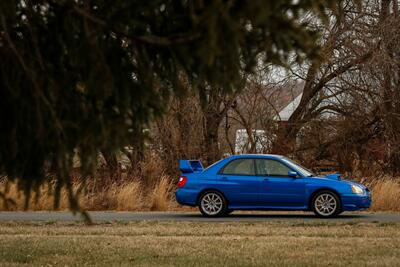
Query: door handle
[[224, 178], [266, 179]]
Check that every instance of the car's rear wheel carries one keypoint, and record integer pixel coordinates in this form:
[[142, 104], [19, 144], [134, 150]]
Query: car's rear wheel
[[212, 204], [326, 204]]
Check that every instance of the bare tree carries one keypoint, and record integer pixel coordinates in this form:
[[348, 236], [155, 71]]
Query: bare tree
[[342, 51], [215, 103]]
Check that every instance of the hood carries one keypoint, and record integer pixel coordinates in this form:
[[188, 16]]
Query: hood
[[334, 176]]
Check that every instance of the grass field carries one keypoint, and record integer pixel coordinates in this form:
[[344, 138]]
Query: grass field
[[277, 243]]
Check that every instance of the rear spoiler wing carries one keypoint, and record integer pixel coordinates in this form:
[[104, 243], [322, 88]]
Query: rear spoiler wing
[[190, 166]]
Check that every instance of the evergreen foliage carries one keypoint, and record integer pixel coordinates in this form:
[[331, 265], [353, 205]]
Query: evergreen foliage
[[78, 77]]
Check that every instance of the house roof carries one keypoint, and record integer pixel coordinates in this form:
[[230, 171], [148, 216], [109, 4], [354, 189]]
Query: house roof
[[287, 111]]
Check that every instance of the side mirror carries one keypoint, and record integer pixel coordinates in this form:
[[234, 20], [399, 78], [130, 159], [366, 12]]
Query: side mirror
[[293, 174]]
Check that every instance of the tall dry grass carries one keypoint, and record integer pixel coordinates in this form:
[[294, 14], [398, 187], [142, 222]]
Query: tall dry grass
[[129, 196], [386, 195], [161, 194], [42, 201], [152, 191], [134, 196]]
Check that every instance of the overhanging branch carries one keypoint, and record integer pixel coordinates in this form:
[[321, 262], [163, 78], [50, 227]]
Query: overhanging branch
[[148, 39]]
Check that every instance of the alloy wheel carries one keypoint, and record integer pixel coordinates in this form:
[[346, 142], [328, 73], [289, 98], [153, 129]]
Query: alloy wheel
[[212, 203], [325, 204]]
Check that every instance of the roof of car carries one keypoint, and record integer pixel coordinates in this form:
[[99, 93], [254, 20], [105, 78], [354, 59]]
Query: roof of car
[[256, 155]]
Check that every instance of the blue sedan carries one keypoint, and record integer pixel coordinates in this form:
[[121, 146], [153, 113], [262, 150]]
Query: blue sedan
[[266, 182]]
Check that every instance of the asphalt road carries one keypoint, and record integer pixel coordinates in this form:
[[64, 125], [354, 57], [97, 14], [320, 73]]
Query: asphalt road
[[101, 216]]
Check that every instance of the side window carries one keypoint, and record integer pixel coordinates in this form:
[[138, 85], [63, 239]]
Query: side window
[[271, 168], [240, 167]]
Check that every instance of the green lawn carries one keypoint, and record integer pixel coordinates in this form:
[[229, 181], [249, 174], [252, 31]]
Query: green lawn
[[201, 244]]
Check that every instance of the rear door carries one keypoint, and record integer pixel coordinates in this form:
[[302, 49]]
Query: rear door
[[238, 181], [277, 188]]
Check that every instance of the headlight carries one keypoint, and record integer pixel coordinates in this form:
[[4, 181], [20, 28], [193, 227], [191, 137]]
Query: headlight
[[357, 189]]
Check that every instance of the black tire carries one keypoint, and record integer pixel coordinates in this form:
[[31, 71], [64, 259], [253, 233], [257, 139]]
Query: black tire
[[214, 199], [326, 210]]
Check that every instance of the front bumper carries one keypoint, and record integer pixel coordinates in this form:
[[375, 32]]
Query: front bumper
[[356, 202]]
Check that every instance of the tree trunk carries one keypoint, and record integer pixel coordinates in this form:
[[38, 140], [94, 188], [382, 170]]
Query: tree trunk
[[215, 103], [114, 169], [390, 92], [285, 142], [212, 151]]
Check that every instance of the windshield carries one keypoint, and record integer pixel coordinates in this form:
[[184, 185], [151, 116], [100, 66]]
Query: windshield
[[303, 170]]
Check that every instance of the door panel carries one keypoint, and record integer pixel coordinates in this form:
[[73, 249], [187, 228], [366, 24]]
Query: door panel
[[282, 192], [277, 188], [240, 190], [237, 180]]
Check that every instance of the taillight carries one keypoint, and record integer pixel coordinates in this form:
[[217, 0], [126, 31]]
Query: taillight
[[182, 181]]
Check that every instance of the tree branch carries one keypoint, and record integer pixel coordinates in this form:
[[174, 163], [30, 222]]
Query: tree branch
[[340, 71], [148, 39]]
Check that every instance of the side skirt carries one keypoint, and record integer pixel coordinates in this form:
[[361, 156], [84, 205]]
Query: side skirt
[[267, 207]]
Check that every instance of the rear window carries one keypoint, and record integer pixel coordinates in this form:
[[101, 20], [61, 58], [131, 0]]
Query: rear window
[[240, 167]]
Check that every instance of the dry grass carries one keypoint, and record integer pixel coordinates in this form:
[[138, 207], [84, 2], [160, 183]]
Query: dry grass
[[160, 195], [133, 196], [278, 243], [151, 168], [42, 201], [129, 196], [386, 195]]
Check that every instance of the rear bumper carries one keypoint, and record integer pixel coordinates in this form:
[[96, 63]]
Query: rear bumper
[[186, 196], [356, 202]]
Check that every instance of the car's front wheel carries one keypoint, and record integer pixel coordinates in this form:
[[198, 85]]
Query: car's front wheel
[[326, 204], [212, 204]]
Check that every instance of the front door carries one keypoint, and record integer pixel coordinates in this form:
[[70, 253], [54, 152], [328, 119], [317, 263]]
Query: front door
[[277, 189], [238, 181]]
